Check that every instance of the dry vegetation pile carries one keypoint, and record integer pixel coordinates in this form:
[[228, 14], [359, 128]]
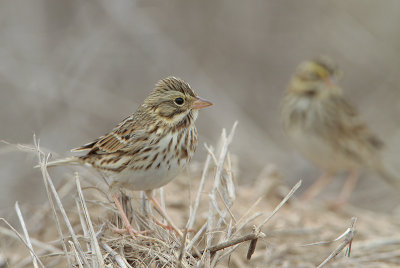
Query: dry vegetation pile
[[223, 225]]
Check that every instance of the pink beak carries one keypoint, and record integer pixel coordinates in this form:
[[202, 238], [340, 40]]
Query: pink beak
[[331, 81], [200, 103]]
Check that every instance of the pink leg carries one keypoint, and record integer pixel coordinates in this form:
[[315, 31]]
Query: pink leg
[[127, 224], [316, 187], [347, 189], [163, 213]]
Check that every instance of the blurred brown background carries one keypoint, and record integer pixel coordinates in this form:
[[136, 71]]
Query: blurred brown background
[[71, 70]]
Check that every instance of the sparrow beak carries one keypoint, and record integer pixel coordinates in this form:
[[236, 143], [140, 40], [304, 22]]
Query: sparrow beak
[[331, 81], [200, 103]]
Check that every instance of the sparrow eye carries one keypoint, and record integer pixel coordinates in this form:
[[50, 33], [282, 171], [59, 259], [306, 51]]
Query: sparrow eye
[[179, 101]]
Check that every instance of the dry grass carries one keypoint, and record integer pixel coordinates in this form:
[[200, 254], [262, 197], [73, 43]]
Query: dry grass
[[259, 225]]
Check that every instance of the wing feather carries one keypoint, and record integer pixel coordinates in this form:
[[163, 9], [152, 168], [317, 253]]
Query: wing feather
[[121, 138], [352, 134]]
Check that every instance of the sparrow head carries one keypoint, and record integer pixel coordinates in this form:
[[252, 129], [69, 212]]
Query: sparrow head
[[319, 69], [173, 99], [312, 77]]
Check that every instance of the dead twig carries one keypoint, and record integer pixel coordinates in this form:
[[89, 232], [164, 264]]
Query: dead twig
[[348, 236], [22, 239], [27, 238], [182, 250], [93, 237], [255, 235], [77, 258], [35, 242], [43, 159], [213, 205], [193, 214], [253, 243], [117, 257], [292, 191]]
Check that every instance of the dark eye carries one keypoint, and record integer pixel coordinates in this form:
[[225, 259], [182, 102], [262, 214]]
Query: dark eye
[[179, 101]]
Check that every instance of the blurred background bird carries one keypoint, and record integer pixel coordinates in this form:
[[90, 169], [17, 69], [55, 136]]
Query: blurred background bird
[[327, 129]]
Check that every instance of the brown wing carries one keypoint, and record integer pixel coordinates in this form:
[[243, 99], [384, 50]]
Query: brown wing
[[121, 138], [352, 135]]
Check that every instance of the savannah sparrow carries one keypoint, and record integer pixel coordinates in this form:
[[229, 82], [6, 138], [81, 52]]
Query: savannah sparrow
[[326, 128], [149, 148]]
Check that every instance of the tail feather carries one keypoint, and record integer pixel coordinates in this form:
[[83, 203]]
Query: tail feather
[[62, 162], [87, 146]]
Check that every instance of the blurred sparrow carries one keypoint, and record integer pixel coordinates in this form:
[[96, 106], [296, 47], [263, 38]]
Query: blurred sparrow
[[149, 148], [327, 130]]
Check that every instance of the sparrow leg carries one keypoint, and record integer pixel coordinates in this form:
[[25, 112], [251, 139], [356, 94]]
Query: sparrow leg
[[347, 189], [163, 213], [316, 187], [127, 224]]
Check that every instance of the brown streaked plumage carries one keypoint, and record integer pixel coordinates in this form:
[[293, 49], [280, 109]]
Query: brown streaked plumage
[[151, 147], [159, 138], [327, 129]]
